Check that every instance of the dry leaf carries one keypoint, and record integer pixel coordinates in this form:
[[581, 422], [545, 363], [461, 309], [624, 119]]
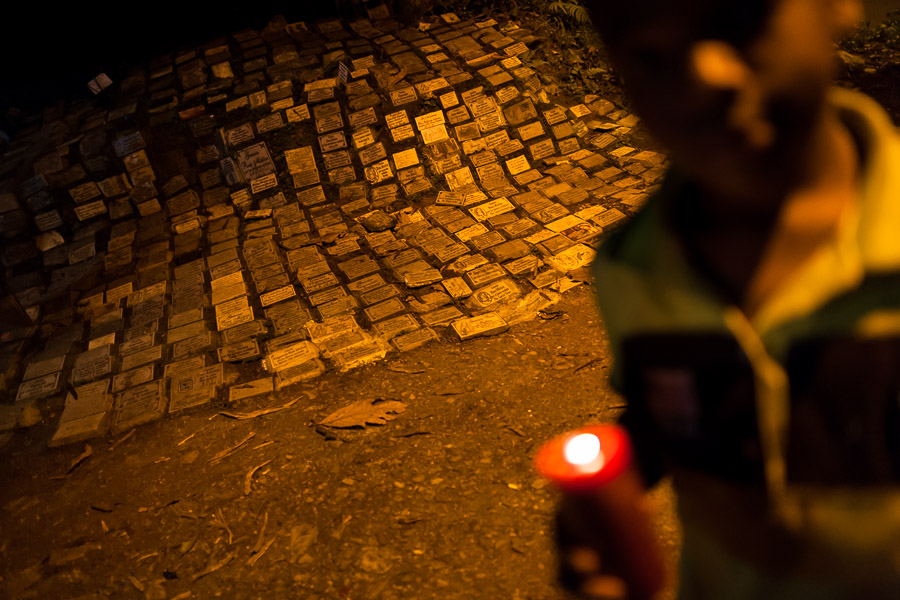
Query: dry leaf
[[364, 412], [302, 537]]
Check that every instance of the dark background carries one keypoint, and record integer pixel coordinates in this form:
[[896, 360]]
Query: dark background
[[50, 51]]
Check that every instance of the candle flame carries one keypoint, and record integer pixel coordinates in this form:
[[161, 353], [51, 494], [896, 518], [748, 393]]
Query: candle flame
[[583, 449]]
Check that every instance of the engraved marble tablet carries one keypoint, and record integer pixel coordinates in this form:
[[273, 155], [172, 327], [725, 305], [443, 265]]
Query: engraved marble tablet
[[133, 377], [278, 295], [247, 349], [39, 387], [250, 389], [142, 357], [139, 405], [184, 366]]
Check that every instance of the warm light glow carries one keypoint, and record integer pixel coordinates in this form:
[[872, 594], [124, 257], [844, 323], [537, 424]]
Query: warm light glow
[[582, 449]]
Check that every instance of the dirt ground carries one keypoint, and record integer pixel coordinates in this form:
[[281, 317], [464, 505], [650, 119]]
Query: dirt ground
[[441, 502]]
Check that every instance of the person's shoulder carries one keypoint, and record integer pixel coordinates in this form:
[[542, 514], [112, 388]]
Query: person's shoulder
[[633, 241], [866, 118]]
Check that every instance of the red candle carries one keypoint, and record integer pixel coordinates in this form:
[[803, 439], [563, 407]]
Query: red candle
[[593, 468]]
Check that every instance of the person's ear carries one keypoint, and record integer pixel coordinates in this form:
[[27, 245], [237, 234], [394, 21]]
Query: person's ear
[[716, 68], [846, 15], [716, 64]]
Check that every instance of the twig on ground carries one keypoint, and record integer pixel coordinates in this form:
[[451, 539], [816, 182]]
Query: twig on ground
[[229, 451]]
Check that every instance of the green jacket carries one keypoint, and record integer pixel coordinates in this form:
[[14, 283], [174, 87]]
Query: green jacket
[[781, 432]]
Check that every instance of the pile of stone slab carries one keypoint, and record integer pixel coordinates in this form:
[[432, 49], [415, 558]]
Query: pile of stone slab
[[241, 216]]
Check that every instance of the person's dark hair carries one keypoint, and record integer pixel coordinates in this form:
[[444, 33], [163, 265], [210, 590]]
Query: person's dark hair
[[738, 22]]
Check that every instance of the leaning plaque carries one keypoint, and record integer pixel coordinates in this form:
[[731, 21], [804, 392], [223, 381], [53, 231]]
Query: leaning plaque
[[144, 356], [184, 366], [233, 313], [185, 395], [291, 356], [247, 349], [481, 325], [39, 387], [133, 377], [195, 388], [193, 345], [277, 295], [139, 405], [92, 364]]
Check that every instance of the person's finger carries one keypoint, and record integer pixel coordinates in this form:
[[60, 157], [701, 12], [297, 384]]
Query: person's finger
[[604, 587], [583, 560]]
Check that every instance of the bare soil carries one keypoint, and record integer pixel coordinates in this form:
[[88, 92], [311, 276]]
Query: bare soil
[[441, 502]]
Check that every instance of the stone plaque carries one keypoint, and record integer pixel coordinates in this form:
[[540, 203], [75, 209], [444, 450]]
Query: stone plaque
[[264, 183], [278, 295], [79, 429], [195, 388], [39, 387], [255, 161], [92, 398], [90, 210], [185, 396], [239, 135], [481, 325], [243, 332], [403, 96], [232, 313], [133, 377], [185, 318], [290, 356], [457, 288], [498, 292], [142, 357], [287, 316], [186, 331], [395, 326], [40, 368], [186, 365], [441, 316], [366, 284], [92, 364], [250, 389], [413, 339], [224, 294], [137, 343], [247, 349], [139, 405], [193, 345], [384, 309]]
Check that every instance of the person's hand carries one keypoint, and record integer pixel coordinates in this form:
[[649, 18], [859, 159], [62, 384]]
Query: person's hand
[[581, 543]]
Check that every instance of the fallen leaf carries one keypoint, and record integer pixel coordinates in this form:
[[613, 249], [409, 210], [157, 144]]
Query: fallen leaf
[[186, 547], [302, 537], [249, 478], [364, 412]]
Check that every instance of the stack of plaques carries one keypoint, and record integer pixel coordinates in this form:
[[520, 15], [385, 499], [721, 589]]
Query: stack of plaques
[[258, 209]]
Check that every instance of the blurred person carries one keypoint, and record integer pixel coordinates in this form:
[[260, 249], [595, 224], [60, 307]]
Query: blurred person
[[753, 306]]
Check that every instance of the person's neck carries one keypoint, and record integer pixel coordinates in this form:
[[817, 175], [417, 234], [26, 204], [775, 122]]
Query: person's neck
[[826, 162], [810, 213]]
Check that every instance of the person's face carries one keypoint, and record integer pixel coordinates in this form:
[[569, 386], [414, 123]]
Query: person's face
[[734, 119]]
